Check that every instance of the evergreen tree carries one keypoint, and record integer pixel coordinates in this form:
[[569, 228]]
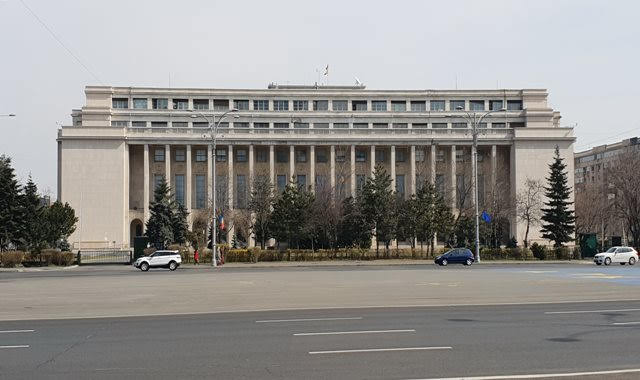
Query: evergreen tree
[[290, 210], [377, 204], [179, 223], [353, 229], [60, 222], [160, 224], [434, 215], [260, 204], [33, 232], [9, 205], [558, 219]]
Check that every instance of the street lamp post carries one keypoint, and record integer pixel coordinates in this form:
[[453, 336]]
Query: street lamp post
[[8, 115], [213, 129], [475, 120]]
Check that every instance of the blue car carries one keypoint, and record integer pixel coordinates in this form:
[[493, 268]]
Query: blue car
[[455, 256]]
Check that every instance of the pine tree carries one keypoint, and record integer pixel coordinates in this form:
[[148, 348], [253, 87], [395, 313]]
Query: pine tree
[[290, 210], [558, 218], [353, 229], [9, 205], [60, 222], [33, 231], [377, 204], [260, 204], [160, 224], [179, 223]]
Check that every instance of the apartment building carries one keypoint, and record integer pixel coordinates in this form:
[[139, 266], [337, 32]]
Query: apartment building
[[126, 139]]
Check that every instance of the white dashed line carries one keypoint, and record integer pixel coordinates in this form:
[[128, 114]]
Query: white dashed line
[[379, 350], [19, 346], [16, 331], [590, 311], [538, 375], [354, 332], [308, 320]]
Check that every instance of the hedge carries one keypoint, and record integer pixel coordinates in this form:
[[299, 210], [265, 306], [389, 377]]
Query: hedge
[[11, 258]]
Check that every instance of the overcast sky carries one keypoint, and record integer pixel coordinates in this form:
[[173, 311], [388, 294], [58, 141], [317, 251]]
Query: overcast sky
[[586, 53]]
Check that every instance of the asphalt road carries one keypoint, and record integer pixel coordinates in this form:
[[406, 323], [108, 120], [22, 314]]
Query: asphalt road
[[372, 343]]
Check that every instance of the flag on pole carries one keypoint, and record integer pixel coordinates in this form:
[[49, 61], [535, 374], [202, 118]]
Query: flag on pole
[[221, 221], [326, 71], [486, 217]]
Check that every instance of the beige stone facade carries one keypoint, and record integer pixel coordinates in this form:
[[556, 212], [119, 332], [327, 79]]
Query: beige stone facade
[[125, 138]]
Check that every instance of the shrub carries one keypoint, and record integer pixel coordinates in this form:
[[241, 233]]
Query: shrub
[[62, 258], [577, 254], [11, 258], [539, 251], [46, 256], [562, 253], [513, 243]]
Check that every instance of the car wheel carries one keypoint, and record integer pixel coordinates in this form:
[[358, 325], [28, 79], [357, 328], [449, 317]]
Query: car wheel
[[468, 262], [144, 267], [598, 263], [444, 262], [632, 260], [622, 263], [607, 261], [173, 265]]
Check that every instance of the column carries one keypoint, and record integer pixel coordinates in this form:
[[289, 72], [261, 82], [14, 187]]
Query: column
[[453, 177], [494, 167], [251, 170], [432, 163], [167, 163], [332, 165], [230, 176], [188, 180], [393, 168], [209, 173], [312, 168], [353, 170], [373, 159], [272, 165], [145, 185], [412, 168], [292, 162]]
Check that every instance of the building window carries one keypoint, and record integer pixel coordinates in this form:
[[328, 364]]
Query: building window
[[456, 105], [361, 155], [439, 185], [320, 105], [361, 125], [158, 179], [179, 188], [380, 155], [418, 106], [282, 155], [201, 155], [339, 105], [119, 103], [180, 104], [200, 104], [222, 188], [221, 155], [341, 155], [360, 181], [241, 191], [419, 155], [220, 104], [458, 125], [261, 105], [158, 155], [514, 105], [480, 189], [321, 181], [158, 124], [261, 155], [180, 155], [140, 103], [139, 124], [340, 125], [261, 125], [119, 123], [281, 182], [241, 105], [301, 125], [301, 155], [437, 105], [301, 180], [400, 185], [160, 103], [300, 105], [321, 155], [241, 155], [400, 155], [461, 191], [320, 125], [400, 125], [419, 125], [179, 124], [200, 191], [516, 125], [281, 125], [359, 105], [398, 106], [459, 155], [420, 179], [281, 105], [495, 105], [440, 155], [476, 105], [241, 125], [498, 125], [380, 125], [379, 105]]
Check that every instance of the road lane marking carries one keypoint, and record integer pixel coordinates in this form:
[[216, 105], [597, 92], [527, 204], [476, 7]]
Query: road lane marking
[[16, 331], [590, 311], [354, 332], [380, 350], [537, 375], [308, 320], [626, 323], [18, 346], [540, 271]]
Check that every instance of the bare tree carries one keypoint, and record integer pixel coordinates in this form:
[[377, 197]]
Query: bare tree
[[529, 205], [626, 189], [595, 211], [260, 204]]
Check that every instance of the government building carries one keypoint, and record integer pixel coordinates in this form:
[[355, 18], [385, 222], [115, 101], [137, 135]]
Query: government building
[[124, 140]]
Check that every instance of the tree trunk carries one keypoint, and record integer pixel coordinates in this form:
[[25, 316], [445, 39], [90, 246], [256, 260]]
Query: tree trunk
[[526, 236]]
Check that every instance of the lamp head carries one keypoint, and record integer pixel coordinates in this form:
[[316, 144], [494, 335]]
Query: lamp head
[[459, 108]]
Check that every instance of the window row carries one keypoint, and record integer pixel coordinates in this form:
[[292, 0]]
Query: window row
[[300, 125]]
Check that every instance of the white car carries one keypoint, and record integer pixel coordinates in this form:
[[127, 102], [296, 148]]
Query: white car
[[620, 255], [159, 259]]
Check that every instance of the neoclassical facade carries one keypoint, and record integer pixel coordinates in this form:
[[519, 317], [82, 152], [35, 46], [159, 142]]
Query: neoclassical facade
[[126, 139]]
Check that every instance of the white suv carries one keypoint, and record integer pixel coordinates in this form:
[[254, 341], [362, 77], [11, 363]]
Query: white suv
[[620, 255], [159, 259]]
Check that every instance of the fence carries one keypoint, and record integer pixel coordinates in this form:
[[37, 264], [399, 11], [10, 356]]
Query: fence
[[103, 256]]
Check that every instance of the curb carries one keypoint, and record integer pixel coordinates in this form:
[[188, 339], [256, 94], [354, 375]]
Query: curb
[[43, 269]]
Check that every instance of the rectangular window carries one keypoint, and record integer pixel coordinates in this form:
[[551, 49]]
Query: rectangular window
[[440, 184], [361, 125], [158, 179], [281, 105], [180, 104], [301, 180], [341, 155], [437, 105], [498, 125], [400, 125], [340, 125], [281, 182], [418, 106], [180, 155], [419, 155], [222, 188], [440, 155], [419, 125], [516, 125], [119, 103], [380, 125], [200, 191], [241, 105], [241, 155], [201, 155], [398, 106], [456, 105], [300, 105], [261, 125], [361, 155], [339, 105], [262, 154], [458, 125], [301, 155], [495, 105], [179, 188], [221, 155], [358, 105], [139, 124], [220, 104], [200, 104], [380, 155], [301, 125], [140, 103], [459, 155], [261, 105], [241, 191], [200, 124], [461, 200], [476, 105], [119, 123], [280, 125], [282, 155], [179, 124], [360, 180], [514, 105], [419, 181], [379, 105], [321, 155], [320, 105], [400, 185], [400, 155], [321, 181], [158, 155], [241, 125], [320, 125], [158, 124], [160, 103]]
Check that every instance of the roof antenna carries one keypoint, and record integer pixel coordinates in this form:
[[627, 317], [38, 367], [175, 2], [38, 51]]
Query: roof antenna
[[358, 83]]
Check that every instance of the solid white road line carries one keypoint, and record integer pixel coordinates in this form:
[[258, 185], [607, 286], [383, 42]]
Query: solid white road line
[[379, 350], [16, 331], [354, 332], [538, 375], [626, 323], [307, 320], [19, 346], [590, 311]]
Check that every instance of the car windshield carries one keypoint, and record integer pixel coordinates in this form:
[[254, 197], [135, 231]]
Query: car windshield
[[611, 250]]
